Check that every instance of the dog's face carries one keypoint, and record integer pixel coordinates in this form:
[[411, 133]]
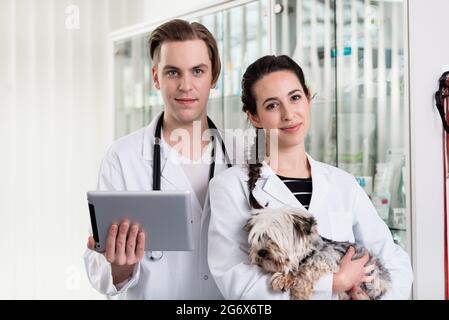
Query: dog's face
[[280, 238]]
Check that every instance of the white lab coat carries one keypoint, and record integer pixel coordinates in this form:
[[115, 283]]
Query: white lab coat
[[178, 275], [343, 212]]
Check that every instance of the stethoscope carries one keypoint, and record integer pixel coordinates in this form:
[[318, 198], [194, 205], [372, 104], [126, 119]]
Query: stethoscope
[[157, 255]]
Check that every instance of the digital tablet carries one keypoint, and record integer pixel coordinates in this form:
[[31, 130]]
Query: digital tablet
[[165, 216]]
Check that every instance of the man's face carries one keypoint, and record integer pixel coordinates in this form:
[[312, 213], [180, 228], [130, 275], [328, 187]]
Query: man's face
[[184, 76]]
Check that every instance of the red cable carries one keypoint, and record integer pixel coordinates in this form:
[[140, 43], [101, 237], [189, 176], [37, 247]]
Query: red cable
[[445, 158], [445, 222]]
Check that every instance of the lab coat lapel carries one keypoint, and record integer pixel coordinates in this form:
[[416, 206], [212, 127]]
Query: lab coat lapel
[[273, 187], [277, 189], [173, 177], [172, 174], [318, 206], [220, 165]]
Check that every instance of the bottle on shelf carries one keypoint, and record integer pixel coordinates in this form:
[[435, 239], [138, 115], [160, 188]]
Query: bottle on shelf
[[381, 196]]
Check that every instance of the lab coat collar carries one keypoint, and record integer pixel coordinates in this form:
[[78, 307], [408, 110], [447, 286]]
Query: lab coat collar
[[171, 172], [148, 150], [273, 187], [148, 144]]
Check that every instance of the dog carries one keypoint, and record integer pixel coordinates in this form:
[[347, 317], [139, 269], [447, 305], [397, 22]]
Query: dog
[[285, 242]]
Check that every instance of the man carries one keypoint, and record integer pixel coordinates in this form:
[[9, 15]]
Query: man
[[186, 65]]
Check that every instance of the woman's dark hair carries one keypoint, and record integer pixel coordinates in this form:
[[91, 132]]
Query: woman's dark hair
[[256, 71]]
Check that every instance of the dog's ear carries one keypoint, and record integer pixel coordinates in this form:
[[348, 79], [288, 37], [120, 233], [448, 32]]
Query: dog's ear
[[249, 225], [303, 224]]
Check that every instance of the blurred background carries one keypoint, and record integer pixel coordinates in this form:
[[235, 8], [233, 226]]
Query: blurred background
[[75, 76]]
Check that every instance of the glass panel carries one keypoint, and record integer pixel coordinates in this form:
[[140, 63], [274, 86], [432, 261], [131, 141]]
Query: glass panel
[[305, 32], [214, 22], [242, 37], [352, 54], [371, 112], [136, 100]]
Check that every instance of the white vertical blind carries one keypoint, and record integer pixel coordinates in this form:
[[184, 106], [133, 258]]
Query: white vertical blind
[[55, 125], [7, 130]]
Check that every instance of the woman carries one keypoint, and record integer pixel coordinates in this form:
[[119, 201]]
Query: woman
[[276, 98]]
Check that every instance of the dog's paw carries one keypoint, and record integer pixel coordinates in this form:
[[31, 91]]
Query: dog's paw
[[281, 281]]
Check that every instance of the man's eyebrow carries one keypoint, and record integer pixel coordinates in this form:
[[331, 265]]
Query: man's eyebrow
[[201, 65], [170, 67]]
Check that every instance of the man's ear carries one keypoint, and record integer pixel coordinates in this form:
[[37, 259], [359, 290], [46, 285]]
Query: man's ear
[[155, 76], [254, 119]]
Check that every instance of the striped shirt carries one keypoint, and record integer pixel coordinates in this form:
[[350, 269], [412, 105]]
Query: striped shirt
[[301, 189]]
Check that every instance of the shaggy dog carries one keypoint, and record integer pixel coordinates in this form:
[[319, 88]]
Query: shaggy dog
[[286, 243]]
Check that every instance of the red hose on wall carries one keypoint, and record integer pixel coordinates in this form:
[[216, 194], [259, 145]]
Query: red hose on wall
[[442, 104], [445, 164]]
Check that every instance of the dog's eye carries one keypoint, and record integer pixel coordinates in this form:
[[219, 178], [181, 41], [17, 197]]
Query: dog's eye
[[262, 253]]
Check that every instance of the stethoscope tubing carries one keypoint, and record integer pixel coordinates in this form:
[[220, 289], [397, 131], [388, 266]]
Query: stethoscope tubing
[[157, 255]]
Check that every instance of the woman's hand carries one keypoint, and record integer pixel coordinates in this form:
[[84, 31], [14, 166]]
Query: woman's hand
[[123, 251], [352, 272], [357, 293]]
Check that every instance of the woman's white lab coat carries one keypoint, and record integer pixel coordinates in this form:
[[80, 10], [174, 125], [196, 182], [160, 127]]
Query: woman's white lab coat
[[343, 212], [178, 275]]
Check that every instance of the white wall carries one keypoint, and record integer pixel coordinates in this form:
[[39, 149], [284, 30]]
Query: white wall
[[429, 52], [55, 125]]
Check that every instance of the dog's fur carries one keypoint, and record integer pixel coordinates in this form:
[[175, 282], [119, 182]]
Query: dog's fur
[[286, 243]]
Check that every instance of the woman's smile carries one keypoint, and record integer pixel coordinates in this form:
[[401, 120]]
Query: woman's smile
[[291, 128]]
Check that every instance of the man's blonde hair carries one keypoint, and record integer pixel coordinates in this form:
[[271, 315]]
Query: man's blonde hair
[[181, 30]]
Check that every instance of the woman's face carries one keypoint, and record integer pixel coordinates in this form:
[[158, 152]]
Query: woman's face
[[282, 105]]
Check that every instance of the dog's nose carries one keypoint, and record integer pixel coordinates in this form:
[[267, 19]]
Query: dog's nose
[[262, 253]]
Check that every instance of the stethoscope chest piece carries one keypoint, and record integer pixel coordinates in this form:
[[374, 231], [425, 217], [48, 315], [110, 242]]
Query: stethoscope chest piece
[[154, 255]]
